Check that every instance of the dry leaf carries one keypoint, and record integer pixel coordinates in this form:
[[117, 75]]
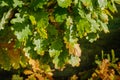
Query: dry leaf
[[49, 76], [35, 65], [74, 49], [77, 50], [74, 77], [39, 77], [28, 72]]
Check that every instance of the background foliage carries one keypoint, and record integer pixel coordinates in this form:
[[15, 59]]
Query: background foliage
[[43, 35]]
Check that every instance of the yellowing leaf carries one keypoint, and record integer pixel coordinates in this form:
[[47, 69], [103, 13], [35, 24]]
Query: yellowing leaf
[[28, 72], [86, 3], [117, 1], [14, 56], [104, 17], [42, 32], [69, 21], [32, 19], [74, 77], [41, 28], [69, 46], [31, 77], [73, 48]]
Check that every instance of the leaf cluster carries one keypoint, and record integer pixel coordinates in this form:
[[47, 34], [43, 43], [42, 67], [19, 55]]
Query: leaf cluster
[[48, 31], [108, 68]]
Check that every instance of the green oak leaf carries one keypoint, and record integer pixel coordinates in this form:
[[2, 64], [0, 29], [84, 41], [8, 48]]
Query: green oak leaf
[[42, 24], [38, 46], [60, 14], [18, 19], [3, 3], [83, 27], [53, 52], [91, 37], [60, 18], [111, 6], [74, 61], [64, 3], [56, 62], [17, 3], [5, 18], [94, 25], [104, 27], [41, 3], [55, 48], [102, 3], [23, 35], [38, 4]]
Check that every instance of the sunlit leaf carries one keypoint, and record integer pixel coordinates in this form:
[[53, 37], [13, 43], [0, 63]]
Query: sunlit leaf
[[38, 46], [87, 4], [60, 18], [17, 3], [74, 77], [104, 27], [42, 24], [47, 33], [82, 27], [117, 1], [32, 19], [55, 48], [112, 7], [5, 18], [46, 68], [74, 61], [75, 2], [104, 17], [54, 52], [56, 62], [18, 19], [64, 3], [92, 37], [38, 4], [102, 3], [69, 21], [42, 31], [3, 3], [23, 35]]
